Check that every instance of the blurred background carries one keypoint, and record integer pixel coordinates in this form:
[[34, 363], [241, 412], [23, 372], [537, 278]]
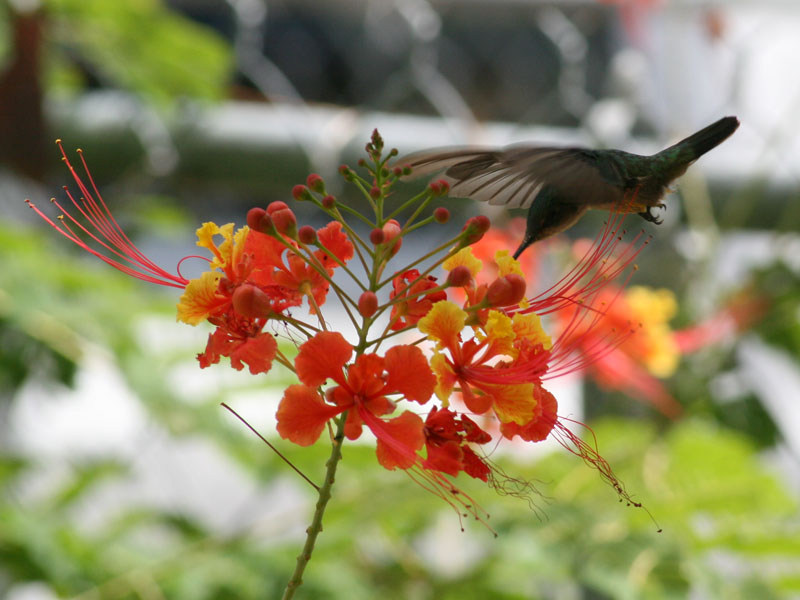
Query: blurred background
[[121, 476]]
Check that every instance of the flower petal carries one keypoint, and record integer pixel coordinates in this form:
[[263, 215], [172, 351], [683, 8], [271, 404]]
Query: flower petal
[[444, 322], [513, 402], [336, 242], [323, 357], [543, 422], [398, 439], [200, 299], [256, 352], [302, 415], [463, 258], [409, 373]]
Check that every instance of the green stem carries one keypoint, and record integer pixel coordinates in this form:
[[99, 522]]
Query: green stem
[[316, 523]]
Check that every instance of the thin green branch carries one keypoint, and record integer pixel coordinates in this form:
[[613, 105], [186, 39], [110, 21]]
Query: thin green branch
[[316, 523]]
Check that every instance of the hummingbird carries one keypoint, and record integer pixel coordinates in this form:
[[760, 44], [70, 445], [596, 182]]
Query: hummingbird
[[557, 185]]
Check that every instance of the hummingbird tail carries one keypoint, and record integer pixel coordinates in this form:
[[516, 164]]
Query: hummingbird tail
[[709, 137]]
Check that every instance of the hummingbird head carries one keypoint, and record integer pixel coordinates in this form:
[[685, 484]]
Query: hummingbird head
[[549, 215]]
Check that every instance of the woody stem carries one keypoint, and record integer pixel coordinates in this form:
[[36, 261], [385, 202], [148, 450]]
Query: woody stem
[[316, 522]]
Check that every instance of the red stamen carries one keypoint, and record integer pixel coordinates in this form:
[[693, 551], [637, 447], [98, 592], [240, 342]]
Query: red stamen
[[107, 232]]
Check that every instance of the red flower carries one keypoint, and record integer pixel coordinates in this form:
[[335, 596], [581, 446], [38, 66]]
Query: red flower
[[361, 389], [446, 439], [416, 298]]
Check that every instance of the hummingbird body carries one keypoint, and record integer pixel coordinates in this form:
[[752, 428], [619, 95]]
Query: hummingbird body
[[558, 185]]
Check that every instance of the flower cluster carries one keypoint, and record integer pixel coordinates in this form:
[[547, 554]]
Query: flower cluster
[[474, 358]]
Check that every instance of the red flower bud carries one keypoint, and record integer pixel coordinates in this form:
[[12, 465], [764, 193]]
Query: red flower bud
[[506, 290], [440, 187], [367, 304], [251, 302], [259, 220], [375, 192], [277, 205], [474, 229], [398, 171], [391, 231], [441, 215], [328, 202], [300, 192], [459, 277], [376, 236], [346, 172], [285, 222], [307, 235], [315, 183]]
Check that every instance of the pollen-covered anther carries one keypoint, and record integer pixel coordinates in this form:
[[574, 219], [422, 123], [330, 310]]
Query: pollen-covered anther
[[506, 290], [251, 302], [367, 304], [460, 276], [259, 220], [316, 183]]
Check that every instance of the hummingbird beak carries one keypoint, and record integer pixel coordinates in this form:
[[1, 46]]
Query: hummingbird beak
[[527, 241]]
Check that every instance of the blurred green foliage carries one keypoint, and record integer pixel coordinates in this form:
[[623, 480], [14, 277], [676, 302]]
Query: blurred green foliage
[[135, 45], [729, 527]]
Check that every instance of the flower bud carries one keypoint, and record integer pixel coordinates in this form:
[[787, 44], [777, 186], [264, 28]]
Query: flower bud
[[391, 231], [277, 205], [251, 302], [398, 171], [307, 235], [367, 304], [441, 215], [375, 192], [300, 192], [346, 172], [259, 220], [315, 183], [460, 276], [506, 290], [440, 187], [328, 202], [376, 236], [474, 229], [285, 222]]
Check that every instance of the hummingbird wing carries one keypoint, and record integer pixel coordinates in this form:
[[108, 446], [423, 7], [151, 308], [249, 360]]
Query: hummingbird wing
[[514, 176]]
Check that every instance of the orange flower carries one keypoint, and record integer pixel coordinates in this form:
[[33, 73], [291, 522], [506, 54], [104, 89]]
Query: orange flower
[[415, 296], [630, 343], [496, 369], [361, 389]]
